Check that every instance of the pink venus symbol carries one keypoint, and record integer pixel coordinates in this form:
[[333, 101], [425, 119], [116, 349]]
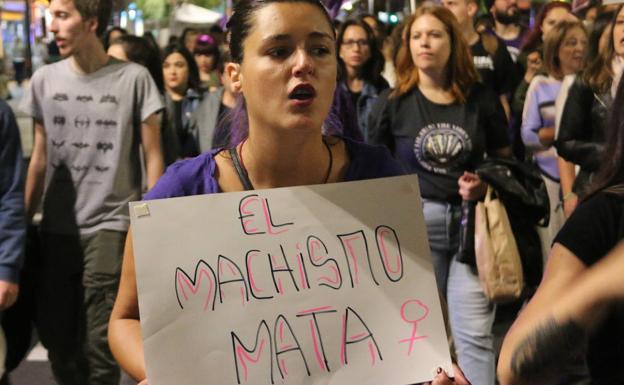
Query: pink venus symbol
[[412, 312]]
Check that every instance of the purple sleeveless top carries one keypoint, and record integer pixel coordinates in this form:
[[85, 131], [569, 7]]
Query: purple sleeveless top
[[195, 176]]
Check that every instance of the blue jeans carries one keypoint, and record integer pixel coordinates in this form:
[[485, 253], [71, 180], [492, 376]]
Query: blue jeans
[[471, 315]]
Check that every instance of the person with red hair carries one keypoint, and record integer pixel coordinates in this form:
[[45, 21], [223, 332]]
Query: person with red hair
[[440, 122]]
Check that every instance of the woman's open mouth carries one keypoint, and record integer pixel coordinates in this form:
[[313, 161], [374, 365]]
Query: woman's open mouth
[[302, 95]]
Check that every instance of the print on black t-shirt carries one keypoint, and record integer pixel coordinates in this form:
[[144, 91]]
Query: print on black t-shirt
[[440, 147], [438, 142]]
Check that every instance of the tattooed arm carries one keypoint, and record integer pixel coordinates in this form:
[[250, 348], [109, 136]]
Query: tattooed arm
[[553, 348], [549, 337]]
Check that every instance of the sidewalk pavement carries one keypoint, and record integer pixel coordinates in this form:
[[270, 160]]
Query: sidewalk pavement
[[35, 370]]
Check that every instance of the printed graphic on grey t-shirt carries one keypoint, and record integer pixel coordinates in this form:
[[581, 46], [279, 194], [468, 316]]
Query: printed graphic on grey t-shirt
[[59, 97], [84, 98], [108, 99], [82, 122], [91, 140], [59, 121], [439, 147], [104, 146], [106, 123]]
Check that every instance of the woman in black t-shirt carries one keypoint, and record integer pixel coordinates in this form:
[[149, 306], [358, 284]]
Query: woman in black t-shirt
[[577, 313], [440, 123]]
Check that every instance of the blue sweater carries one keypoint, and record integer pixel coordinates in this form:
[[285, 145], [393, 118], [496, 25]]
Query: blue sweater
[[12, 219]]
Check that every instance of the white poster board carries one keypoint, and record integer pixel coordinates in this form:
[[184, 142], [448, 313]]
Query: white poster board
[[328, 284]]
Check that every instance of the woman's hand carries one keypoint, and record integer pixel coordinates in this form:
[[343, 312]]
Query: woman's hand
[[443, 379], [471, 187], [534, 64], [144, 382], [569, 204], [546, 135]]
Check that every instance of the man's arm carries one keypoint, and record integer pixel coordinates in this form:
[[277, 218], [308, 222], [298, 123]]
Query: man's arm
[[36, 171], [12, 223], [505, 68], [152, 148], [506, 106]]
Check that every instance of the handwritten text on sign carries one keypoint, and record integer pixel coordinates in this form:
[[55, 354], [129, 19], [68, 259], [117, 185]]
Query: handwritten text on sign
[[327, 284]]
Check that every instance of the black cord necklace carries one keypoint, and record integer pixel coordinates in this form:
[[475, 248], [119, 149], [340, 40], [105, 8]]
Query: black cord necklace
[[239, 165]]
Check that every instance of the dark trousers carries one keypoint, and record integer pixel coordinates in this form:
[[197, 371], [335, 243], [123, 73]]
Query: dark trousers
[[77, 284]]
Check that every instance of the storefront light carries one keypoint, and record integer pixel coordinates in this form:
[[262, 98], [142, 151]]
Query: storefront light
[[123, 19]]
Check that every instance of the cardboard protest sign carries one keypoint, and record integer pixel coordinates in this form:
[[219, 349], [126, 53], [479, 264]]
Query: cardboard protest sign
[[327, 284]]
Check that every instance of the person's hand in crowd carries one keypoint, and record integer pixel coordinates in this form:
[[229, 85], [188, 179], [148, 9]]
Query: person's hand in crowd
[[8, 294], [443, 379], [569, 204], [546, 135], [471, 187], [534, 64]]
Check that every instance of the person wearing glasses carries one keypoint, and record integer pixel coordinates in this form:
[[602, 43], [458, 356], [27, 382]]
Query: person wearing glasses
[[360, 64]]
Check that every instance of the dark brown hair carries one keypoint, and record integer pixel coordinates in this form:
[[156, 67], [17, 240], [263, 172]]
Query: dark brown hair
[[599, 74], [611, 171], [140, 50], [371, 70], [106, 39], [101, 10], [240, 22]]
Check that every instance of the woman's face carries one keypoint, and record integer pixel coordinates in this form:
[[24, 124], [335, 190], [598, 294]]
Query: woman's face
[[553, 17], [176, 72], [430, 44], [288, 72], [205, 63], [618, 34], [572, 51], [354, 50], [117, 51]]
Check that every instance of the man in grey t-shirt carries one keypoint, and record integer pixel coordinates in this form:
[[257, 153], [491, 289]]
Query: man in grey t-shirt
[[91, 112]]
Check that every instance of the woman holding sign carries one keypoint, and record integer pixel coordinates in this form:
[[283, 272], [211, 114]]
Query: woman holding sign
[[440, 122], [284, 65]]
